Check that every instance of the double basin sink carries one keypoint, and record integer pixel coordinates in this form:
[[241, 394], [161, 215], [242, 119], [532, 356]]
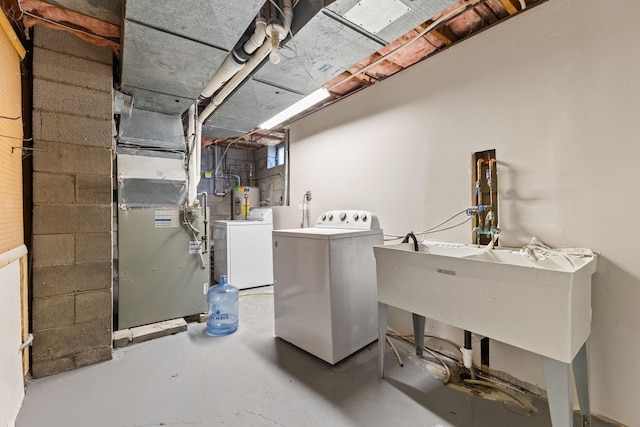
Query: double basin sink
[[541, 305]]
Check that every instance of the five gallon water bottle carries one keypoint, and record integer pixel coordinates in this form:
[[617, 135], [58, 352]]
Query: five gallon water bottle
[[223, 308]]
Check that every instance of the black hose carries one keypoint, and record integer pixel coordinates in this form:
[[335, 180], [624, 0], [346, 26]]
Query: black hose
[[467, 340], [413, 237]]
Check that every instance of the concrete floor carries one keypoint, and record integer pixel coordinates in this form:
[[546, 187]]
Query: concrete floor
[[251, 378]]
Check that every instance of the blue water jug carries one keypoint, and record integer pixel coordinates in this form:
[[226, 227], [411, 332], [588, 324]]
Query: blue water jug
[[223, 308]]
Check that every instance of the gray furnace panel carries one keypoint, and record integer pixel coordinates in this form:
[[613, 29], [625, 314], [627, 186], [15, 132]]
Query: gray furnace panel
[[163, 273]]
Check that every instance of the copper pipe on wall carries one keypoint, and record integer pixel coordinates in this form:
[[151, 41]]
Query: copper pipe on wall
[[492, 165], [479, 169], [478, 177], [479, 220]]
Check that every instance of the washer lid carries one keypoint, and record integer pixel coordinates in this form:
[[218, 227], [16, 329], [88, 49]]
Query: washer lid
[[322, 233], [239, 223], [261, 214]]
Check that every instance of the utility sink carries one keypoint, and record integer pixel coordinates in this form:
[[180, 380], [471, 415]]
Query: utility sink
[[542, 306]]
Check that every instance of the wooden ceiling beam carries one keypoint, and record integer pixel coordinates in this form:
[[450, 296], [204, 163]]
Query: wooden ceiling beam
[[362, 79], [485, 13], [442, 33], [509, 6], [478, 13], [490, 10], [444, 39]]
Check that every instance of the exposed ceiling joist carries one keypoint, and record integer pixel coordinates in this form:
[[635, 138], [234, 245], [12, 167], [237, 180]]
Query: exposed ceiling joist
[[485, 13], [509, 7], [86, 27], [445, 35], [326, 49], [465, 24]]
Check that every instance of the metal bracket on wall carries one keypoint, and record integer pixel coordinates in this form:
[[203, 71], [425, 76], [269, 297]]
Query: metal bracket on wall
[[28, 149]]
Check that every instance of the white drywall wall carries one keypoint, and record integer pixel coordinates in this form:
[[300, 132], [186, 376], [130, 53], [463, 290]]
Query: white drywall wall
[[558, 98], [11, 381]]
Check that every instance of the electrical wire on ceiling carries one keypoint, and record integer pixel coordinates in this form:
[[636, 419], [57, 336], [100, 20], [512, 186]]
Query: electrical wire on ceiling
[[463, 7], [295, 49], [457, 11], [269, 132], [237, 139], [11, 118], [66, 27], [284, 48], [435, 24]]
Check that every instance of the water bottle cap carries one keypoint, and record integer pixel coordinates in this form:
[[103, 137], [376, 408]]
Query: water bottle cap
[[223, 279]]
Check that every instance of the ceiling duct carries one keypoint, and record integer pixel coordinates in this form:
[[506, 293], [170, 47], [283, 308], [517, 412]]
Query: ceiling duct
[[169, 55], [152, 130], [324, 44], [170, 49]]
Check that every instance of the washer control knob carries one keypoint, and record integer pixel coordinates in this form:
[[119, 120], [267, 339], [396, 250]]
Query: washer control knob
[[363, 217], [356, 217], [324, 216], [343, 216], [330, 217]]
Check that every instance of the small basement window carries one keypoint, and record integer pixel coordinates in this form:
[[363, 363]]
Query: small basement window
[[275, 156]]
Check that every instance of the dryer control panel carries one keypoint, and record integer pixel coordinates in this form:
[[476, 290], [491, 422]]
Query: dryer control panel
[[349, 219]]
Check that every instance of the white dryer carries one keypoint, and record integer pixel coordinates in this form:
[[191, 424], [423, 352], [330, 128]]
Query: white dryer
[[325, 291], [242, 250]]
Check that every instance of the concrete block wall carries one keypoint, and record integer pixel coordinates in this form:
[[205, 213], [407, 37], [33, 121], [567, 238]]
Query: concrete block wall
[[270, 181], [72, 197], [242, 163], [235, 162]]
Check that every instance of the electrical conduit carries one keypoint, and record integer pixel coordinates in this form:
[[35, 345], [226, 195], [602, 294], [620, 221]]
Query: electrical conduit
[[193, 167], [198, 152], [205, 211]]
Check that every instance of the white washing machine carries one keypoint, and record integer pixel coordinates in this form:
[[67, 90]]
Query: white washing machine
[[325, 284], [242, 250]]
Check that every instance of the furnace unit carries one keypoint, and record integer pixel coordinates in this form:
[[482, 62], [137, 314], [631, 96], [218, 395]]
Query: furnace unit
[[163, 250]]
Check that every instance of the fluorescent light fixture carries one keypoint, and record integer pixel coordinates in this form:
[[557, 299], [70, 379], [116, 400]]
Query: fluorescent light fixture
[[306, 102]]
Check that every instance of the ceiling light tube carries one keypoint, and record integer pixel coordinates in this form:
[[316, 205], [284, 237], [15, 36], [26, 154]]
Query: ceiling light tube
[[306, 102]]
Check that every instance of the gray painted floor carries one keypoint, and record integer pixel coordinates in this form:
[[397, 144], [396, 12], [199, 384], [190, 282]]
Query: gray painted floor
[[252, 378]]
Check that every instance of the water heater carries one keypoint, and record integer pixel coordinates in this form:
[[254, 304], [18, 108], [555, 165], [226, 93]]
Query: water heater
[[244, 199]]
